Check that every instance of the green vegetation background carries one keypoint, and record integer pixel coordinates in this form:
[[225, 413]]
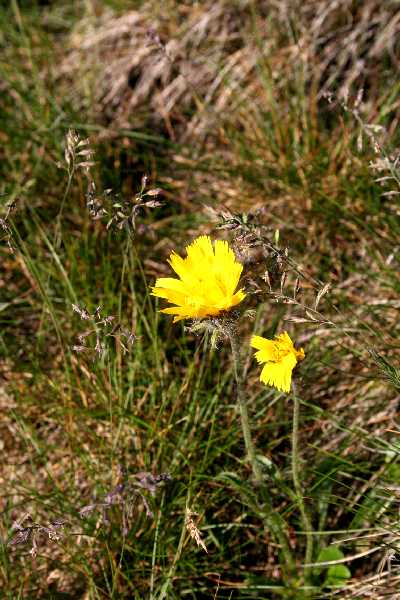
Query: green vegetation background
[[220, 104]]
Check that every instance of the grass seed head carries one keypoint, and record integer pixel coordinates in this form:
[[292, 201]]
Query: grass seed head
[[193, 529]]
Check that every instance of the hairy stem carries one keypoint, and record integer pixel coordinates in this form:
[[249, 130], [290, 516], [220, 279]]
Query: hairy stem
[[305, 519], [244, 415], [272, 519]]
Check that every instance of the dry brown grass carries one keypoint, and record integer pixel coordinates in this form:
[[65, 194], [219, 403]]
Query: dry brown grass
[[167, 60]]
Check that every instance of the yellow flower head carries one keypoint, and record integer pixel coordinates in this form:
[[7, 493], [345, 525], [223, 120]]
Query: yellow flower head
[[208, 278], [280, 357]]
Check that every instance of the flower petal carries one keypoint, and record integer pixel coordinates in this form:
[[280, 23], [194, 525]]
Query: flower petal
[[206, 283], [279, 374], [267, 348], [280, 357]]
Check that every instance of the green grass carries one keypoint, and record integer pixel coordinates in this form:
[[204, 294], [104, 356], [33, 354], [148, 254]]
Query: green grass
[[69, 420]]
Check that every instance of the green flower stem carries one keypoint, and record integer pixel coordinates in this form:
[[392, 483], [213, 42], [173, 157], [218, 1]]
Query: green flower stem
[[305, 519], [272, 519], [244, 415]]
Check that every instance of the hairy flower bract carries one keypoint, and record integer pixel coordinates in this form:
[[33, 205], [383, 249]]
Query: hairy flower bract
[[280, 357], [206, 283]]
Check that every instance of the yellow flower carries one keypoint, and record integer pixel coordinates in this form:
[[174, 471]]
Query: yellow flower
[[280, 357], [208, 278]]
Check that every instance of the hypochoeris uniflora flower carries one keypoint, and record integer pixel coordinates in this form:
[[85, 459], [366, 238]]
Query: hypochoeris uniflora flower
[[280, 357], [206, 283]]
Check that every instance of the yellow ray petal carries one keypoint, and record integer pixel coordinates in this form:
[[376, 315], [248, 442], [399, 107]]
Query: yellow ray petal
[[279, 374], [206, 283], [280, 357], [266, 348]]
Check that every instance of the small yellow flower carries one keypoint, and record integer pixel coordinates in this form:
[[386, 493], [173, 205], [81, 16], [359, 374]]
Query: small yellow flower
[[208, 278], [280, 357]]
